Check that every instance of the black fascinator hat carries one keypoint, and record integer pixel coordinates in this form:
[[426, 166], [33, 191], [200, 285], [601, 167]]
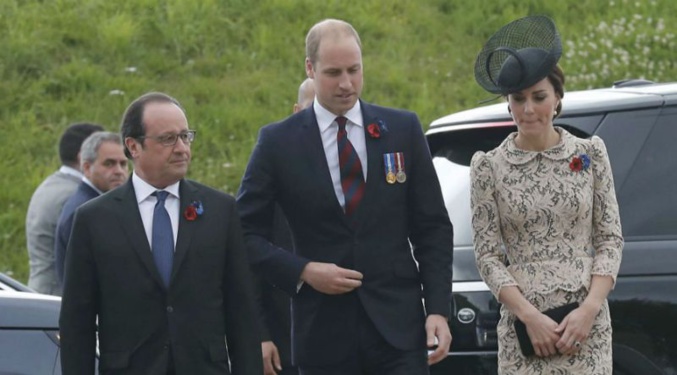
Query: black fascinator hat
[[518, 55]]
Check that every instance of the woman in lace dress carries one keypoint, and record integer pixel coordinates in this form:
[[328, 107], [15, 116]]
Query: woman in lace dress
[[545, 218]]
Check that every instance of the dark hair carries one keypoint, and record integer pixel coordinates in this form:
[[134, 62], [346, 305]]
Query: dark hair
[[556, 79], [132, 125], [71, 141]]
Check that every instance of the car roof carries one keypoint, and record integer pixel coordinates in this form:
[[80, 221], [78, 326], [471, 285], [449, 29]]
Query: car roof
[[29, 310], [574, 103]]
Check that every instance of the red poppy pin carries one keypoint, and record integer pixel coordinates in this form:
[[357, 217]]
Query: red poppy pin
[[193, 210], [376, 128], [580, 163]]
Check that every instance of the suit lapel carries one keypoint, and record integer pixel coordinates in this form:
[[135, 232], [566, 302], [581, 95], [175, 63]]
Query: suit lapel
[[374, 165], [188, 193], [130, 219]]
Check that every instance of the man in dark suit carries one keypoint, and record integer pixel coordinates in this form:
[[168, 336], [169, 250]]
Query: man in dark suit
[[104, 166], [356, 288], [273, 302], [160, 308]]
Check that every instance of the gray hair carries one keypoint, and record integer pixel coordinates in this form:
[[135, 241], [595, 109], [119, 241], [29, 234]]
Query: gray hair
[[90, 147]]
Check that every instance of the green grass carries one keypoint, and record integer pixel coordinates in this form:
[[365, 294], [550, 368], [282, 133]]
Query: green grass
[[236, 65]]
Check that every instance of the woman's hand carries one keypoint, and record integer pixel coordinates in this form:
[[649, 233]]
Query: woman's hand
[[575, 328], [542, 332]]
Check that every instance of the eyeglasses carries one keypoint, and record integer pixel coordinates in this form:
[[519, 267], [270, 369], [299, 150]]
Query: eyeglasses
[[187, 137]]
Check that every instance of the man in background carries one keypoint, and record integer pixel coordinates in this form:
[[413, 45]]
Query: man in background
[[104, 165], [46, 205], [274, 303], [306, 95]]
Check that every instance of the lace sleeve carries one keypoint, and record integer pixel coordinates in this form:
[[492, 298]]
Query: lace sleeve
[[486, 227]]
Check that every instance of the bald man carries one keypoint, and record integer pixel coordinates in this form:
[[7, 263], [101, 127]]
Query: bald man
[[306, 95]]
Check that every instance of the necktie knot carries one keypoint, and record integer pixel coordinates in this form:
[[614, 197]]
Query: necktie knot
[[161, 196], [341, 121]]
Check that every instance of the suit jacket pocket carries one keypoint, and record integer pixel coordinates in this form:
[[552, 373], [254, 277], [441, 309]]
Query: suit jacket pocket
[[114, 360], [218, 352], [405, 269]]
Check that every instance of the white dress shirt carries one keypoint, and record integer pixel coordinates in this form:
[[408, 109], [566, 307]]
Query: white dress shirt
[[329, 130], [71, 171], [147, 201]]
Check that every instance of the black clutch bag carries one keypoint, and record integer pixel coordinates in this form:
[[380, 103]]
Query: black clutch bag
[[557, 314]]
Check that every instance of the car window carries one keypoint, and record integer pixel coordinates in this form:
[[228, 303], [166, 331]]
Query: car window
[[624, 134], [452, 153], [451, 158], [648, 196]]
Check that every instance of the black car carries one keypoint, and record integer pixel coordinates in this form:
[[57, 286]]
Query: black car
[[638, 122], [29, 330]]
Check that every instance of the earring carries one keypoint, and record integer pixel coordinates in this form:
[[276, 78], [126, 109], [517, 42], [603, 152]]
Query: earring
[[554, 113], [509, 110]]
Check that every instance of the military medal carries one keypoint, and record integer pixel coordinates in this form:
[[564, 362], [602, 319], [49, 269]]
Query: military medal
[[399, 162], [391, 177]]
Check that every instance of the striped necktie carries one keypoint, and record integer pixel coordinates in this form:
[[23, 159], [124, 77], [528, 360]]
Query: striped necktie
[[352, 179]]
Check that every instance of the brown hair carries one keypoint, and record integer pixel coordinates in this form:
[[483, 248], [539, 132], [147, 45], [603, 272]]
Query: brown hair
[[556, 79], [327, 27]]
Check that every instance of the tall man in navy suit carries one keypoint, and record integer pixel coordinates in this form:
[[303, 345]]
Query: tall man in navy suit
[[159, 265], [357, 185], [104, 166]]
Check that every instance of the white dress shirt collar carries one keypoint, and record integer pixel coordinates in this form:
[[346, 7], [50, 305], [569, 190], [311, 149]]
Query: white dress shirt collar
[[71, 171], [325, 118], [146, 202], [143, 190]]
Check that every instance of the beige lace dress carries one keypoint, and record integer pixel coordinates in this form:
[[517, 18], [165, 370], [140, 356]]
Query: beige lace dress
[[556, 224]]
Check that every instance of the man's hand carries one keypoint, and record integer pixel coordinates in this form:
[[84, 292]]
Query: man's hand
[[329, 278], [436, 327], [271, 358]]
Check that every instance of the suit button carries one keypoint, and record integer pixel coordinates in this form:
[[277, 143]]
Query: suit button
[[170, 309]]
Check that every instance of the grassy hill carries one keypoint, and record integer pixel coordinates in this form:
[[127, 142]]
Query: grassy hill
[[235, 65]]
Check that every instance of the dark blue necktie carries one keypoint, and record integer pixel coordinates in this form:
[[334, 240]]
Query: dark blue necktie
[[352, 179], [163, 238]]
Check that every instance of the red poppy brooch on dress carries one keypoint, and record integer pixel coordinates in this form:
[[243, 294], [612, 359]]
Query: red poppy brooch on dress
[[193, 210], [376, 128], [580, 163]]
